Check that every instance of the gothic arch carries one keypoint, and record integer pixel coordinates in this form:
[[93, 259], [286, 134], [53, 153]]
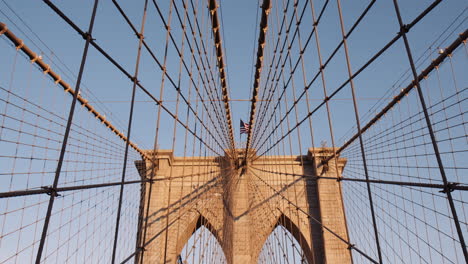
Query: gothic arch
[[198, 221], [289, 225]]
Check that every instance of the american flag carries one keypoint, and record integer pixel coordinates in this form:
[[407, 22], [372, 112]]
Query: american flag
[[244, 127]]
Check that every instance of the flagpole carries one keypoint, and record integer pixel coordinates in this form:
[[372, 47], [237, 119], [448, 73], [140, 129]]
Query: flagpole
[[240, 139]]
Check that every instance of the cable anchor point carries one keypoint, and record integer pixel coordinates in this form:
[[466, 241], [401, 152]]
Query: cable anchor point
[[450, 187], [51, 191]]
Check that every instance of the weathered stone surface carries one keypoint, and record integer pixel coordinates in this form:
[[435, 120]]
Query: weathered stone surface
[[242, 205]]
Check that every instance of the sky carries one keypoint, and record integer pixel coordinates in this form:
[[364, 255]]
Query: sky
[[240, 32]]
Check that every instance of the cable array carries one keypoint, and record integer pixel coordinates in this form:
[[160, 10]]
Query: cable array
[[74, 183], [327, 174], [401, 185]]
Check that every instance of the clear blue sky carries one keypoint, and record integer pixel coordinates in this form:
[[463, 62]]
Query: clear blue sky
[[240, 31]]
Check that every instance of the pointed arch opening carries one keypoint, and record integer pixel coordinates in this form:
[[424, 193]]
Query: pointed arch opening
[[287, 244], [201, 244]]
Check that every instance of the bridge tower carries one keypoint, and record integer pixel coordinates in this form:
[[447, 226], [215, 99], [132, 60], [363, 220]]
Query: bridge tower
[[229, 200]]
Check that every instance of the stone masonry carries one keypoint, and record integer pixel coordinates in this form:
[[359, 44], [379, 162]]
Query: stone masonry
[[241, 203]]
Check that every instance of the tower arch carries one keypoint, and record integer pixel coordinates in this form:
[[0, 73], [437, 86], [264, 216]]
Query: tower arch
[[192, 228]]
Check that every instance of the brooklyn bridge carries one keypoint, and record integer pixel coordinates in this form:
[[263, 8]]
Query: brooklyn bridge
[[120, 139]]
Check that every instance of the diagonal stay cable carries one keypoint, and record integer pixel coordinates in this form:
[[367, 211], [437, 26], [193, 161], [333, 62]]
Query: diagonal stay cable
[[201, 65], [322, 67], [209, 92], [128, 75], [361, 69], [266, 7], [275, 78], [222, 75], [58, 80], [160, 65], [461, 39], [277, 75], [351, 246]]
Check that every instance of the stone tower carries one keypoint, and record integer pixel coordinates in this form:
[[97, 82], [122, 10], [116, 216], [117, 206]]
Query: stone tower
[[241, 204]]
